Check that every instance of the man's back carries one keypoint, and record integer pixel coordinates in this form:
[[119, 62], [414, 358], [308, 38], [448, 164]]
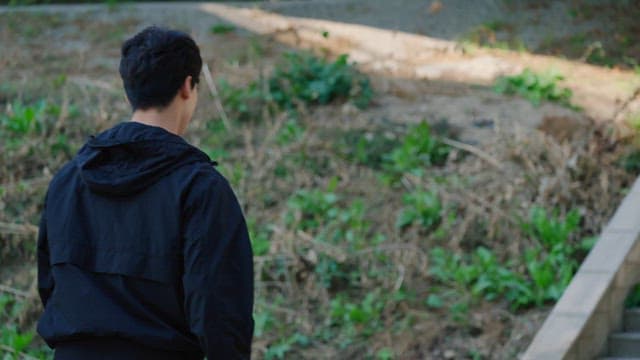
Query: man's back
[[143, 253]]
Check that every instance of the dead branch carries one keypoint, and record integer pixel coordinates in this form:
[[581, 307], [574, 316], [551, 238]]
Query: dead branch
[[14, 351], [31, 183], [474, 150], [12, 291], [334, 251], [216, 96], [18, 229]]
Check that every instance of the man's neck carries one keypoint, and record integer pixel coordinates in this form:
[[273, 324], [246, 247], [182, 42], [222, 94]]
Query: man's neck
[[164, 118]]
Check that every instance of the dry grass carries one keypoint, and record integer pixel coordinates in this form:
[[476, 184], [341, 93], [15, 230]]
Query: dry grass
[[296, 306]]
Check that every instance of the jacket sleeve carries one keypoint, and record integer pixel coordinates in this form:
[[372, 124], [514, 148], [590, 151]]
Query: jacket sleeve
[[45, 278], [218, 271]]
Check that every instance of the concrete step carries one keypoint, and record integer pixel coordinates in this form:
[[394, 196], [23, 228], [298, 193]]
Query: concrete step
[[624, 344], [632, 320]]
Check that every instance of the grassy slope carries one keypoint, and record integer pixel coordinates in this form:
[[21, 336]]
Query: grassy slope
[[344, 239]]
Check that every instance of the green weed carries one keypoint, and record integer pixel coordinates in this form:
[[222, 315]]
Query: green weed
[[305, 78], [290, 132], [242, 103], [385, 354], [633, 299], [298, 79], [343, 227], [421, 207], [552, 262], [481, 273], [221, 29], [549, 265], [59, 81], [310, 208], [630, 162], [62, 146], [15, 344], [264, 321], [15, 340], [259, 236], [535, 87], [21, 119], [418, 149], [112, 5], [475, 355], [357, 319], [549, 275], [550, 230], [366, 148], [217, 139], [281, 348], [434, 301]]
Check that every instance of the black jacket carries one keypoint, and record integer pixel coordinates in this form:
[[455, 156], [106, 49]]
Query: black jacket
[[143, 241]]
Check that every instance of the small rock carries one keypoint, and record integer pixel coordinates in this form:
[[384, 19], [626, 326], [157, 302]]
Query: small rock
[[449, 354]]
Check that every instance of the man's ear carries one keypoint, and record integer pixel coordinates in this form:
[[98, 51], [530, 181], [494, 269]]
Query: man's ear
[[186, 90]]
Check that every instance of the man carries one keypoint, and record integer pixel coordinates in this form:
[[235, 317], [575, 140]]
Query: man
[[143, 251]]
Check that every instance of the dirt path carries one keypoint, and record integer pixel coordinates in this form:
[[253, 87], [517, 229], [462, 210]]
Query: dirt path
[[400, 61], [603, 93], [374, 34]]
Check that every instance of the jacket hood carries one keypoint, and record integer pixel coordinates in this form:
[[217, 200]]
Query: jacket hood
[[131, 156]]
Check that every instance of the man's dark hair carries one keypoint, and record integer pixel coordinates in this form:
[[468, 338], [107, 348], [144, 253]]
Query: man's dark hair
[[155, 63]]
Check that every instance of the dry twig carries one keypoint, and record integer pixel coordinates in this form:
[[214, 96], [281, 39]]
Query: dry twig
[[18, 229], [14, 351], [12, 291], [474, 150], [27, 183], [216, 96]]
